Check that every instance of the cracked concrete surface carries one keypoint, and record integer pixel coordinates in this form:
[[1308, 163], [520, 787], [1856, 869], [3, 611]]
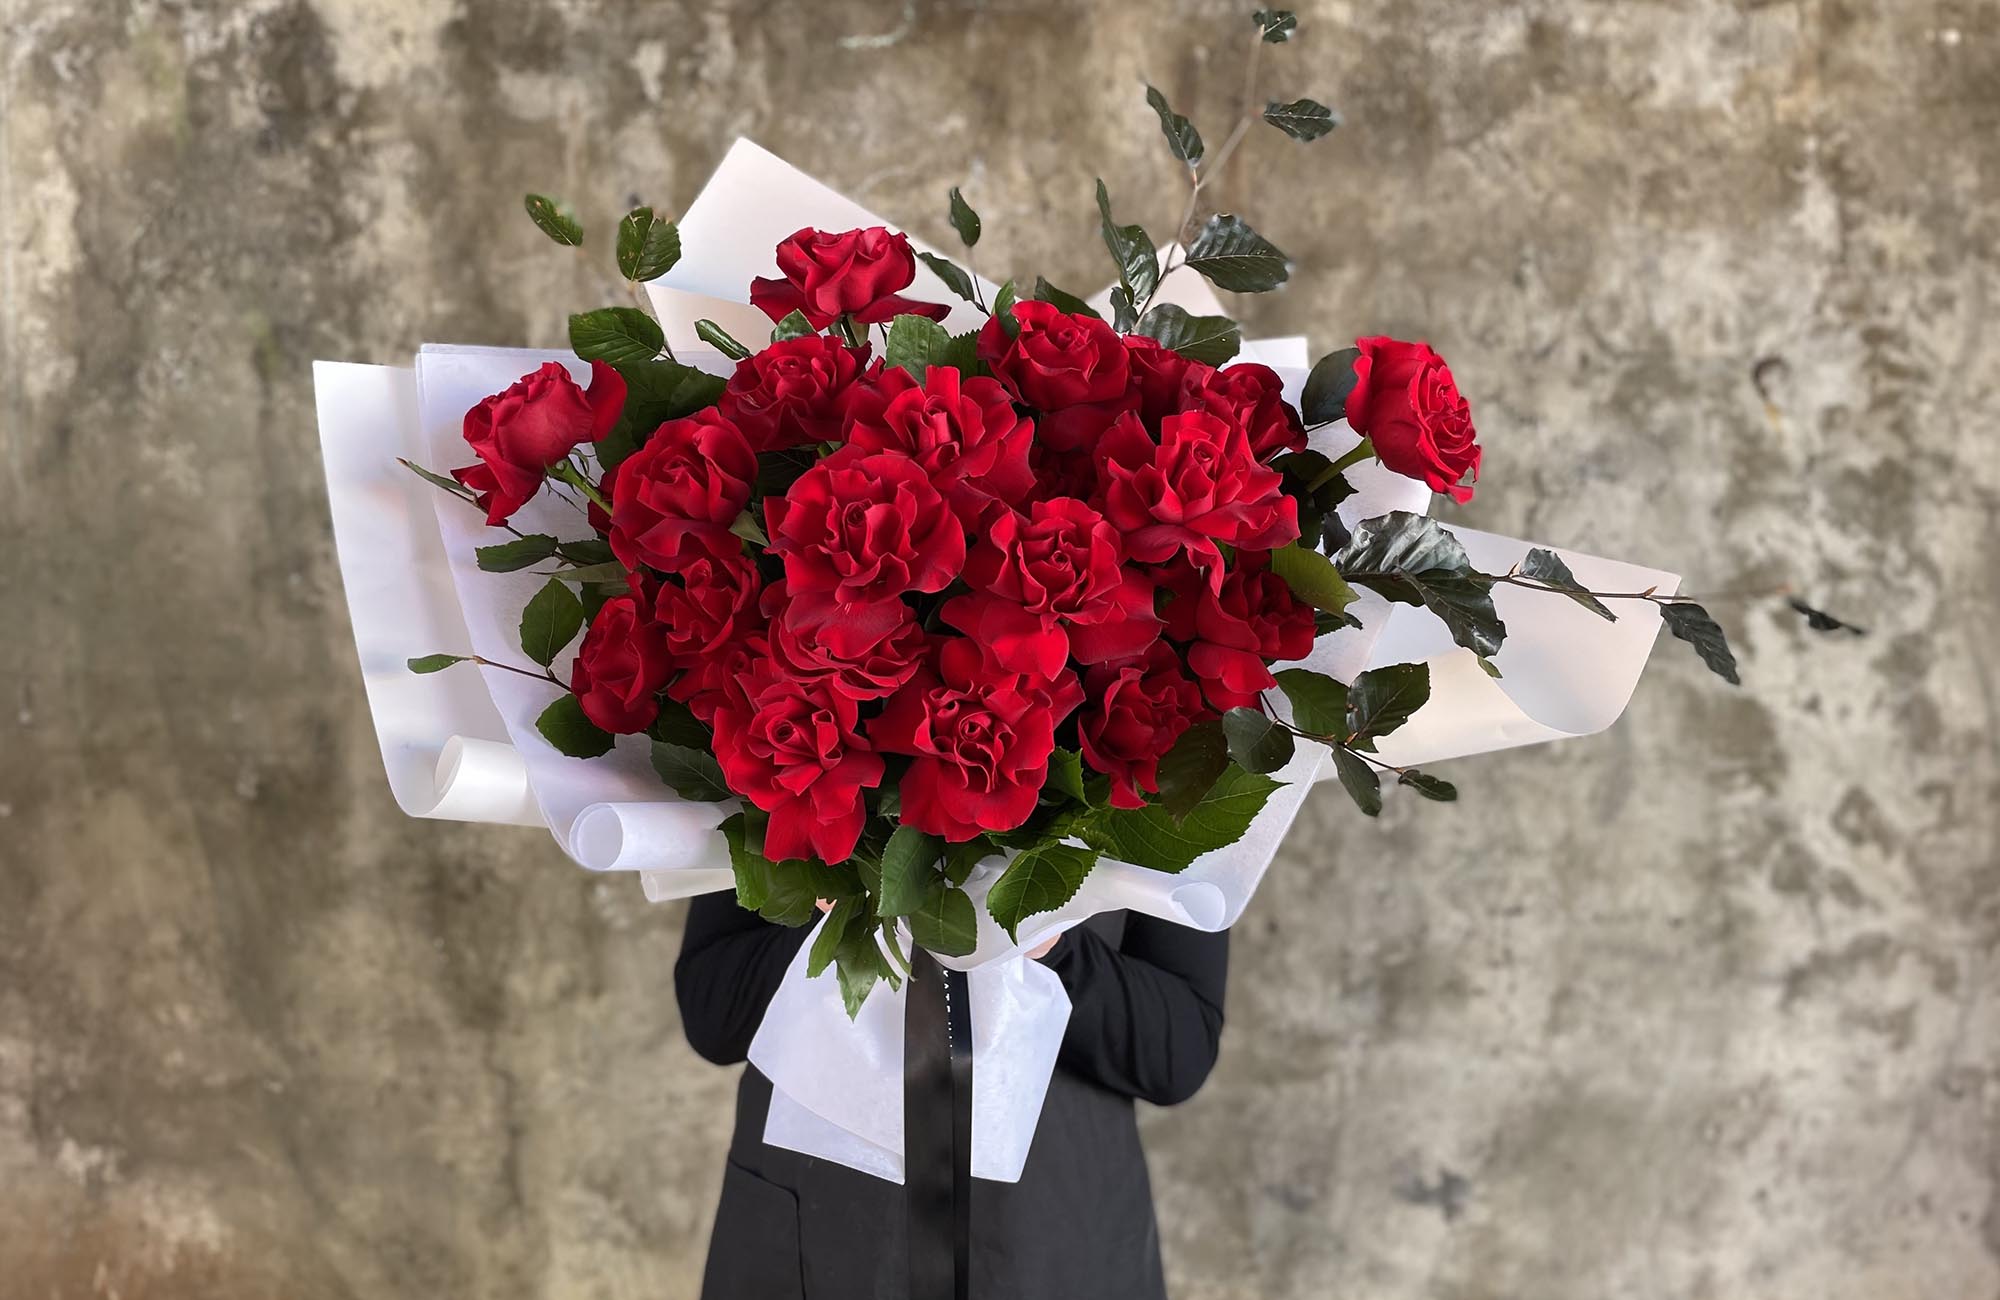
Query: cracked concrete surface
[[1697, 1008]]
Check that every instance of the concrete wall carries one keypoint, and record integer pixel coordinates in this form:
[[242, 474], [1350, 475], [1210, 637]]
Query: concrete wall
[[1697, 1008]]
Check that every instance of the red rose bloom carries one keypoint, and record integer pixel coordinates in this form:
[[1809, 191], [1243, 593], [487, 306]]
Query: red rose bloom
[[676, 497], [792, 746], [981, 739], [1198, 486], [793, 393], [1051, 584], [856, 272], [1406, 402], [1055, 360], [1234, 632], [862, 527], [867, 654], [1071, 473], [620, 668], [1252, 397], [702, 611], [964, 432], [1139, 708], [534, 424], [718, 678], [1159, 375]]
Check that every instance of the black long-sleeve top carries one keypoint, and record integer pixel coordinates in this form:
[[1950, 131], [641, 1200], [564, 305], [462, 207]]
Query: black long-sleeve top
[[1146, 1002]]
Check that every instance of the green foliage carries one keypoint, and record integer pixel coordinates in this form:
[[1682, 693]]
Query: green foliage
[[1182, 138], [1319, 703], [1692, 624], [520, 553], [1235, 257], [1430, 787], [1062, 301], [1359, 780], [1038, 880], [553, 220], [648, 246], [1547, 566], [1257, 743], [783, 892], [794, 325], [1138, 263], [1382, 699], [916, 344], [1213, 339], [1066, 775], [832, 931], [550, 622], [1189, 770], [954, 276], [1327, 386], [618, 336], [1155, 838], [564, 725], [963, 219], [1312, 577], [719, 339], [1276, 24], [1302, 119], [1413, 559], [909, 865], [691, 773], [947, 923], [436, 663]]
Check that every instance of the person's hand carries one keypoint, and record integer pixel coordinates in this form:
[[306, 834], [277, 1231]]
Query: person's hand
[[1035, 953]]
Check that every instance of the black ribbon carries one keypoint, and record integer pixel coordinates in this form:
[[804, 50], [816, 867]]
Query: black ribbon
[[937, 1130]]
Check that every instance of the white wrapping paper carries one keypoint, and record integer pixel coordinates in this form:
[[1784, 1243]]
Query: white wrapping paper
[[462, 745]]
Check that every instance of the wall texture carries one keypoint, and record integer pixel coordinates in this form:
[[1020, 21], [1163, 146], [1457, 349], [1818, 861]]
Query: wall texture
[[1698, 1008]]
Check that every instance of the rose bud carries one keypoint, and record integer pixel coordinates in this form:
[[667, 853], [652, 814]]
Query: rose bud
[[1405, 401], [1139, 708], [537, 422], [620, 667], [856, 273]]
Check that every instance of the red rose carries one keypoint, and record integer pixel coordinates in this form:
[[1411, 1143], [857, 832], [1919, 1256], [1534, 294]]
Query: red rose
[[701, 612], [620, 667], [676, 496], [1050, 584], [1405, 402], [1197, 487], [1234, 632], [534, 424], [1158, 376], [1139, 708], [719, 677], [981, 739], [1071, 473], [1252, 397], [792, 393], [1055, 360], [864, 526], [867, 653], [792, 746], [856, 273], [964, 432]]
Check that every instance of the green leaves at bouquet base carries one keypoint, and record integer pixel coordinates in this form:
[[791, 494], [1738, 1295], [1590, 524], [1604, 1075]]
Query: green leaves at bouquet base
[[1189, 770], [1155, 838], [1546, 566], [564, 725], [1062, 300], [691, 773], [1319, 703], [648, 246], [1692, 624], [1233, 256], [617, 336], [1412, 559], [1382, 699], [1138, 263], [1277, 25], [1066, 775], [1359, 780], [550, 622], [916, 344], [963, 219], [436, 663], [1312, 578], [656, 391], [909, 866], [955, 277], [1039, 880], [1257, 743], [946, 922], [1302, 119], [827, 939], [553, 220], [786, 893], [1182, 138], [509, 557], [859, 965], [1213, 339], [1332, 378]]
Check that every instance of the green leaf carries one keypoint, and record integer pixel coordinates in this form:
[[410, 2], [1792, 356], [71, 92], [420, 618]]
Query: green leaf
[[1692, 624], [1153, 837], [1062, 301], [960, 859], [784, 892], [648, 246], [1066, 774], [1546, 566], [1312, 578], [858, 965], [1319, 703], [909, 865], [1256, 742], [963, 219], [1003, 307], [1213, 339], [550, 622], [794, 325], [1277, 24], [692, 774], [914, 343], [1359, 780], [655, 392], [1382, 699], [827, 940], [677, 725], [1138, 261], [1430, 787], [1182, 138], [1412, 559], [564, 725], [587, 553], [586, 574], [1302, 119], [1039, 880], [1189, 770], [953, 275], [1332, 379], [450, 485], [552, 220], [1818, 620], [947, 923], [1235, 257], [745, 525], [520, 553], [1488, 667], [436, 663], [718, 338], [619, 336]]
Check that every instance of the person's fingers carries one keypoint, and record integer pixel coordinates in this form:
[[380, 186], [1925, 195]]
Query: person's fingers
[[823, 905], [1041, 949]]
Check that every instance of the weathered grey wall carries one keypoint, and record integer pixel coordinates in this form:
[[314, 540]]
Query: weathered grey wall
[[1698, 1008]]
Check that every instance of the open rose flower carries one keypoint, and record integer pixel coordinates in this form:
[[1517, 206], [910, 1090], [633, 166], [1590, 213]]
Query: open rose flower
[[793, 747], [1405, 401], [980, 738], [867, 652], [535, 423], [620, 667], [1159, 375], [676, 497], [1057, 360], [862, 527], [705, 604], [794, 392], [1196, 488], [1250, 396], [719, 677], [1138, 708], [964, 432], [1231, 634], [856, 273]]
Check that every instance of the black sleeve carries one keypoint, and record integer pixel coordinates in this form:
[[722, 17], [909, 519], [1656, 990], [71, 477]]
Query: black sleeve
[[1146, 1016], [730, 964]]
